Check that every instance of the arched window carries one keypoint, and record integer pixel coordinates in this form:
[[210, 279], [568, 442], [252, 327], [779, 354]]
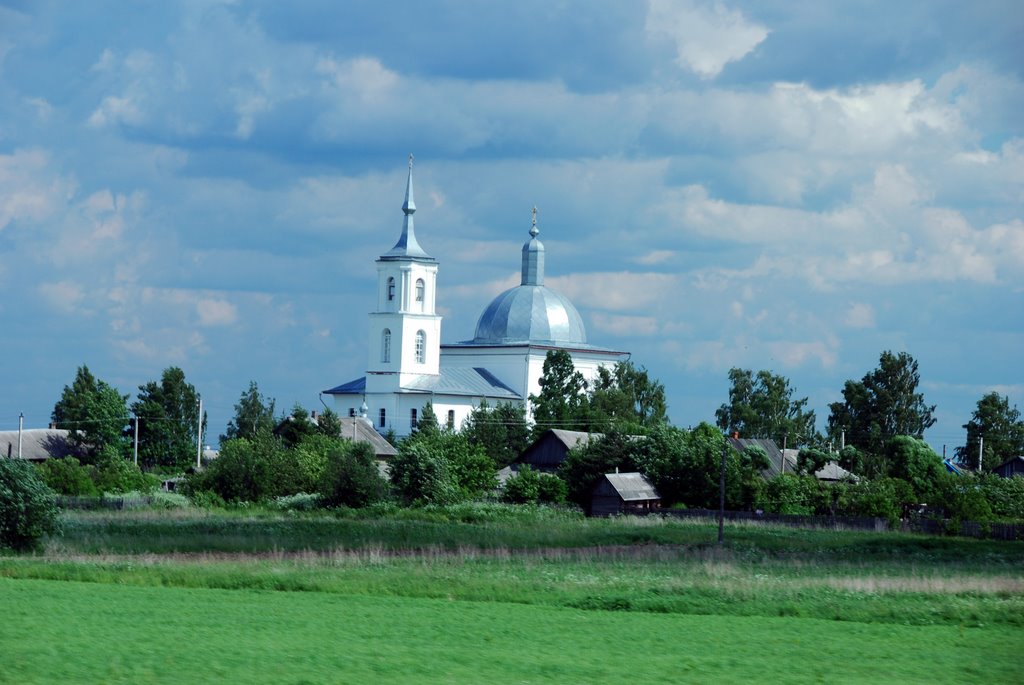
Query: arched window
[[385, 346], [391, 288], [420, 289], [421, 347], [451, 419]]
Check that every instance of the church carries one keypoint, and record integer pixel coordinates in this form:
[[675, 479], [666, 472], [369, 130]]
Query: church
[[408, 366]]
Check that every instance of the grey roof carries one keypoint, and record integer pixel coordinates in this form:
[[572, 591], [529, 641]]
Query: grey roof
[[358, 429], [632, 487], [775, 457], [474, 382], [38, 444], [572, 438], [407, 246], [830, 471]]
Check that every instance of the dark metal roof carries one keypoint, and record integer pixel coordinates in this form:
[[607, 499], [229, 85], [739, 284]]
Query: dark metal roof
[[356, 387]]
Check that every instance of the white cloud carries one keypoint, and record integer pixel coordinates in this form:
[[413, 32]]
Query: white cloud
[[115, 110], [617, 291], [214, 312], [64, 296], [707, 36], [859, 315], [626, 325]]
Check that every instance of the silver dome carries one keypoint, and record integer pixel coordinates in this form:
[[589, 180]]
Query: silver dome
[[530, 313]]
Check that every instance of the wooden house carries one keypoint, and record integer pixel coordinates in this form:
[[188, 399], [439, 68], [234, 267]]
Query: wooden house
[[616, 493]]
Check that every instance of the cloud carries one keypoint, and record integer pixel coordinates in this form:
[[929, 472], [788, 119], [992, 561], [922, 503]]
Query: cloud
[[616, 291], [63, 296], [859, 315], [216, 312], [707, 36], [625, 325]]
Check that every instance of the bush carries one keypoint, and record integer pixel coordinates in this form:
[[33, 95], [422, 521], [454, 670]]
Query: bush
[[114, 474], [300, 501], [251, 471], [522, 487], [68, 476], [421, 476], [552, 489], [28, 509], [351, 478]]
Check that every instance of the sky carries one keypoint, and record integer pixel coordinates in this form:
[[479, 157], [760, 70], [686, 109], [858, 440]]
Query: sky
[[790, 186]]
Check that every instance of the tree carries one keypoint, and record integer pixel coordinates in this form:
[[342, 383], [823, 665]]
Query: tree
[[562, 402], [94, 412], [912, 460], [351, 477], [588, 461], [328, 423], [28, 510], [997, 428], [884, 404], [252, 470], [253, 413], [500, 431], [427, 423], [168, 413], [763, 407], [441, 468], [627, 397], [292, 429]]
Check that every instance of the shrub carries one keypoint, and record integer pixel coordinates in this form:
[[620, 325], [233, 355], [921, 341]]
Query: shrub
[[522, 487], [28, 510], [251, 471], [422, 476], [300, 501], [68, 476], [115, 474], [351, 478], [552, 489]]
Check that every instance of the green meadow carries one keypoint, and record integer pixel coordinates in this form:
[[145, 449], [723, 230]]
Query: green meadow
[[502, 595]]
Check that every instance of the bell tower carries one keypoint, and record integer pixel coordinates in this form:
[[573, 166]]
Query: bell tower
[[405, 330]]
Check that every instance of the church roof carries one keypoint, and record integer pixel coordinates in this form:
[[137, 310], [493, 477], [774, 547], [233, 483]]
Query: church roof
[[470, 382], [531, 312], [407, 246]]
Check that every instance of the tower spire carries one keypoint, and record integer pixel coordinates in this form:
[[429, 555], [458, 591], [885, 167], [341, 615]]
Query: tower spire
[[533, 256], [407, 245]]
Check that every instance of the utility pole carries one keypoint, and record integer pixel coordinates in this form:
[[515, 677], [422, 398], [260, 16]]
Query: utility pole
[[981, 446], [135, 451], [199, 435], [842, 440], [721, 496], [785, 438], [21, 426]]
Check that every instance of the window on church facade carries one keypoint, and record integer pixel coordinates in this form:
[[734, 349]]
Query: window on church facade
[[451, 419], [385, 346], [383, 417], [421, 347], [391, 288], [413, 422], [351, 412], [420, 289]]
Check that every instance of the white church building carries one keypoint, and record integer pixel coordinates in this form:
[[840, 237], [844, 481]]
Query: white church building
[[408, 366]]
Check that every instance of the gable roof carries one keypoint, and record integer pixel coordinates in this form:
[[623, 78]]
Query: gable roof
[[777, 463], [38, 444], [358, 429], [632, 487], [467, 382]]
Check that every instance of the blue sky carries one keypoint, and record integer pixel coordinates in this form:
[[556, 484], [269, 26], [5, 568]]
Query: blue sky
[[770, 185]]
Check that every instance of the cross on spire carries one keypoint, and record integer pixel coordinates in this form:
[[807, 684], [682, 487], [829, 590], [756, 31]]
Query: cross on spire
[[533, 229]]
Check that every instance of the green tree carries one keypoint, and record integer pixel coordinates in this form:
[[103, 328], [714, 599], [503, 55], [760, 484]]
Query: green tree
[[253, 413], [295, 427], [562, 402], [28, 510], [997, 427], [763, 406], [884, 404], [912, 460], [421, 475], [351, 477], [329, 423], [522, 487], [470, 470], [252, 470], [627, 397], [94, 412], [169, 416], [501, 431], [68, 476], [427, 422]]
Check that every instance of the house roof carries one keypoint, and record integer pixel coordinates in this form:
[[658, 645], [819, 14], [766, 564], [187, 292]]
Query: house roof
[[38, 444], [572, 438], [632, 487], [358, 429], [468, 382], [775, 457], [1009, 461]]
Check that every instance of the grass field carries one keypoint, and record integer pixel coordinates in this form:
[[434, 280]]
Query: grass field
[[133, 597]]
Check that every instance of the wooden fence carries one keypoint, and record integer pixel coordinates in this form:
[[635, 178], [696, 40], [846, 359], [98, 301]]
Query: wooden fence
[[105, 502]]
